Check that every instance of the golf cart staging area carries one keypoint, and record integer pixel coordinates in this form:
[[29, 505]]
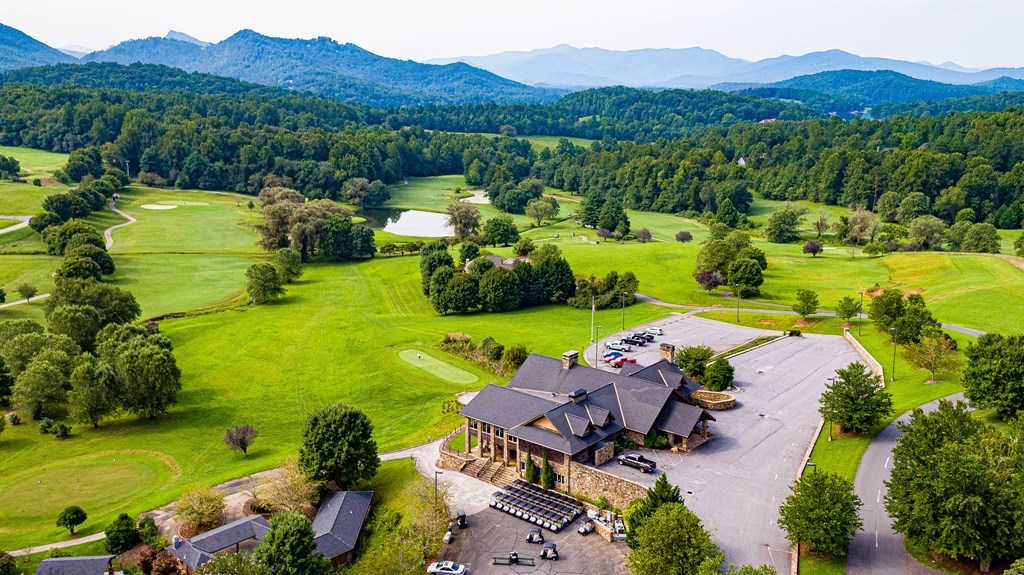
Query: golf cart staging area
[[537, 505]]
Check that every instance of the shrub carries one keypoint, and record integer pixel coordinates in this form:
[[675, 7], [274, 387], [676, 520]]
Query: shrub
[[654, 441], [684, 236], [60, 430], [492, 349], [624, 444], [45, 426], [122, 534], [513, 357], [8, 564], [693, 359], [56, 553], [201, 506], [794, 332], [709, 279], [14, 419], [719, 375], [148, 532]]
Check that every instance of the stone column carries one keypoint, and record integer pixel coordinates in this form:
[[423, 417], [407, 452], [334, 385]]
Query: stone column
[[567, 460], [467, 436], [505, 450]]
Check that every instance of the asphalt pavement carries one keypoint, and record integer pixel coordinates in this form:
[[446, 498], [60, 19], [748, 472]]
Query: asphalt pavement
[[878, 550]]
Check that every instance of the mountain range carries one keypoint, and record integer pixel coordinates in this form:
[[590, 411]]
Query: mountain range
[[19, 50], [570, 67]]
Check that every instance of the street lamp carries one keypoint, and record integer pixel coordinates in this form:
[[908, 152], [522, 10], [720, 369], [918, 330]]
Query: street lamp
[[737, 290], [436, 473], [622, 299], [895, 332], [860, 313], [828, 421], [597, 346]]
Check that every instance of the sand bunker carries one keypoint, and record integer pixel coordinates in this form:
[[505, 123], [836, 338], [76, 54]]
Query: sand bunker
[[181, 203], [156, 207]]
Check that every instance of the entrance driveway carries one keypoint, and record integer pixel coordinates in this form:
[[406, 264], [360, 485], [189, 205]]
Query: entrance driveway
[[493, 533], [736, 481]]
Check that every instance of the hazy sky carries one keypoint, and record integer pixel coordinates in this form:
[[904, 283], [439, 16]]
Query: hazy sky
[[976, 33]]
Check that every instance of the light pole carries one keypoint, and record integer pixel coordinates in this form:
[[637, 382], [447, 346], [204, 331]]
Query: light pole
[[860, 313], [436, 473], [895, 332], [829, 421], [597, 347], [737, 290], [622, 299]]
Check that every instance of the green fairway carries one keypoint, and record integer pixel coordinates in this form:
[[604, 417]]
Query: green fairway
[[436, 367], [35, 270], [101, 483], [25, 199]]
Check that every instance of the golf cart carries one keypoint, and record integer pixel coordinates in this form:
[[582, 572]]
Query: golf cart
[[550, 552], [535, 536]]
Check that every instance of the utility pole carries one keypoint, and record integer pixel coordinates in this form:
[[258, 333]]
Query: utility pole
[[436, 473], [622, 298], [597, 346], [737, 290], [860, 313], [828, 421], [895, 332]]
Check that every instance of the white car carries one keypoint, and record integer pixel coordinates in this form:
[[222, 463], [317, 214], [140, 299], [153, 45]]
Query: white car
[[618, 345], [446, 568], [655, 330]]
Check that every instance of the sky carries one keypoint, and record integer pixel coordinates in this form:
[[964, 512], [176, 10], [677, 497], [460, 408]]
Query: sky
[[973, 33]]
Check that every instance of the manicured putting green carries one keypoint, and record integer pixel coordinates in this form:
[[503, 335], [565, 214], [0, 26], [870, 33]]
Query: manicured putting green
[[436, 367], [182, 203], [99, 483]]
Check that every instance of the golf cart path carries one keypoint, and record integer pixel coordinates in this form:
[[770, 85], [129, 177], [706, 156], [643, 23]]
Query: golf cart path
[[878, 550], [19, 226], [821, 313], [108, 233]]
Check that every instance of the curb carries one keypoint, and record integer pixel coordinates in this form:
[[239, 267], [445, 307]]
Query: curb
[[794, 568]]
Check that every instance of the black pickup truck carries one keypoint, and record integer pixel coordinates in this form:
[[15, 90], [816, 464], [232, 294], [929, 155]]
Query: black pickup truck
[[638, 461]]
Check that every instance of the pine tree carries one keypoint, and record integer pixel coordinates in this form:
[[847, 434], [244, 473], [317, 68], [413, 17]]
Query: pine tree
[[530, 472]]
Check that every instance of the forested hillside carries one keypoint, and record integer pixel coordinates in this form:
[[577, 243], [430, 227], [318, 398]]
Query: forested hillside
[[618, 113], [20, 49]]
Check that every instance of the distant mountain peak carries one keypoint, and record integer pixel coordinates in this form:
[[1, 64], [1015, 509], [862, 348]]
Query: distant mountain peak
[[183, 37], [21, 50]]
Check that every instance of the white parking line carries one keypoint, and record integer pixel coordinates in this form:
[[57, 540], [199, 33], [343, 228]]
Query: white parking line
[[886, 466]]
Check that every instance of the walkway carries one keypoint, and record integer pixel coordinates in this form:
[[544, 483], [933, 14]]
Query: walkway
[[108, 233], [19, 226], [878, 550]]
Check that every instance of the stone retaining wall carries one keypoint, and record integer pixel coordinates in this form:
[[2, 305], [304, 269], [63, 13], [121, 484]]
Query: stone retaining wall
[[594, 483], [713, 401], [868, 358], [446, 460]]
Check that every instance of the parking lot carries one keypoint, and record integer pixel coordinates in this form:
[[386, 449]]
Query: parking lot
[[492, 533], [737, 481], [682, 331]]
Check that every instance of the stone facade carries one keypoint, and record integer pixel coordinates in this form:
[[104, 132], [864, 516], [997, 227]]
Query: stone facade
[[667, 351], [713, 401], [447, 460], [604, 453], [594, 483], [633, 436]]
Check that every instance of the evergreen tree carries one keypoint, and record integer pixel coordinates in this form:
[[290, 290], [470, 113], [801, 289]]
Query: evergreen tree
[[547, 475]]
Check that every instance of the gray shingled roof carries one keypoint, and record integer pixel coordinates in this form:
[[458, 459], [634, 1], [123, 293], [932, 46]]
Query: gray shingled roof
[[664, 372], [339, 521], [680, 418], [92, 565], [195, 551], [493, 401]]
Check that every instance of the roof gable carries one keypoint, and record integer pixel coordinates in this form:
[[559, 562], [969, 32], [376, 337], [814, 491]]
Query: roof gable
[[339, 521], [91, 565], [579, 426]]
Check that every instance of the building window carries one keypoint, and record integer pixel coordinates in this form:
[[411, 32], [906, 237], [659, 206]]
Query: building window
[[499, 432], [512, 439], [472, 424], [559, 479], [487, 427]]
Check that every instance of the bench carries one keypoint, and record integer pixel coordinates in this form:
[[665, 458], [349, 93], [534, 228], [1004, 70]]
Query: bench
[[527, 561]]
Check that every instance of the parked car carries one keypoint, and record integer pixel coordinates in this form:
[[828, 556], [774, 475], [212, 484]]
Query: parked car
[[446, 568], [634, 341], [621, 361], [644, 336], [610, 355], [638, 461], [586, 527], [618, 345], [655, 330], [535, 536]]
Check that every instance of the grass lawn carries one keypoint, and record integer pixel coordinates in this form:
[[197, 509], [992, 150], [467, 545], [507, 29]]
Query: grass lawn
[[24, 199], [336, 336], [28, 564], [16, 269], [458, 442], [436, 367]]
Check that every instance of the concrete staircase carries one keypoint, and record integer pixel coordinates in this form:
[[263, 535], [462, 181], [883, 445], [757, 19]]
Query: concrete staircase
[[504, 476], [474, 467]]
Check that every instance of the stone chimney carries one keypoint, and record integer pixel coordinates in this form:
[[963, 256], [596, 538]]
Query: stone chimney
[[570, 358], [668, 352], [578, 395], [175, 541]]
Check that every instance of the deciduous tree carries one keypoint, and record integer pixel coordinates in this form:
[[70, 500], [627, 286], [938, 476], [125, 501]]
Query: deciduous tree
[[541, 209], [693, 359], [822, 512], [288, 263], [464, 218], [671, 540], [500, 230], [814, 248], [806, 303], [338, 445], [71, 517], [846, 308], [202, 507], [934, 353], [292, 489], [994, 374], [289, 547], [856, 399], [719, 375], [709, 279], [263, 283], [94, 391], [240, 437]]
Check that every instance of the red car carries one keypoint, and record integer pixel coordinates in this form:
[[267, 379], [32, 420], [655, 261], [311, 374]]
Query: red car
[[621, 361]]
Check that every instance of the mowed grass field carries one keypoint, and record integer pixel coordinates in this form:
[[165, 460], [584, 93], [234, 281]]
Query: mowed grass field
[[24, 199]]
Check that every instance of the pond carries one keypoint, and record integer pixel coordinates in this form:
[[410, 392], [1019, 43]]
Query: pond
[[408, 222]]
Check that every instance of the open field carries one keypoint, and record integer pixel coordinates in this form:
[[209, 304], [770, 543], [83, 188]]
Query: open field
[[24, 199]]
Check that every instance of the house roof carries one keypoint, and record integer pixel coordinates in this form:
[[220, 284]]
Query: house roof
[[196, 551], [492, 403], [612, 402], [664, 372], [339, 521], [91, 565], [680, 418]]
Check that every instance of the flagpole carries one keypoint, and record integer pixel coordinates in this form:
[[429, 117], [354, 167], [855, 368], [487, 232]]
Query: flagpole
[[593, 310]]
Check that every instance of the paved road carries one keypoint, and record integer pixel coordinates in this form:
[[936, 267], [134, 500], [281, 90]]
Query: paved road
[[23, 223], [878, 550], [737, 481]]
